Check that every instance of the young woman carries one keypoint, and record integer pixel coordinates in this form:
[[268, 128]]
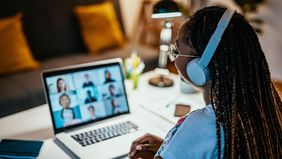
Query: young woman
[[61, 85], [67, 113], [243, 116]]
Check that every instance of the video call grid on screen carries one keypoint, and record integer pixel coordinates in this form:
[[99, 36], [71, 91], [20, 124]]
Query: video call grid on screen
[[86, 95]]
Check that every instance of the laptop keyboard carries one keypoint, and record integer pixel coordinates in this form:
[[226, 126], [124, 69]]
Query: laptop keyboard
[[105, 133]]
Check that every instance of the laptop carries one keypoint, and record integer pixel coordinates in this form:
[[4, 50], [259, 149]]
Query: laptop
[[90, 111]]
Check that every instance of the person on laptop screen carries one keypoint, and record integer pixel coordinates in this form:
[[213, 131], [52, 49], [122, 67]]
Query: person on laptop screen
[[68, 116], [243, 113], [108, 77], [91, 111], [112, 92], [89, 97], [88, 82], [64, 101], [115, 106], [67, 113], [61, 85]]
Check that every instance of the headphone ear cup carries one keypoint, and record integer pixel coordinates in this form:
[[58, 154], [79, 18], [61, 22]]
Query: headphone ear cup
[[196, 73]]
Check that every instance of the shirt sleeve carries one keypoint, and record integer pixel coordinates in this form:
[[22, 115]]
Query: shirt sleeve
[[167, 139], [195, 138]]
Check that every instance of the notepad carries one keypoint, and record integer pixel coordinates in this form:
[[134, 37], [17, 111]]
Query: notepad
[[19, 148]]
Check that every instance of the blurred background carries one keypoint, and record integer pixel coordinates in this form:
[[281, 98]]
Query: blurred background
[[38, 35], [264, 15]]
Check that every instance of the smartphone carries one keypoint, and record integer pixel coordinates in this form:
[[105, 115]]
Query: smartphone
[[182, 109]]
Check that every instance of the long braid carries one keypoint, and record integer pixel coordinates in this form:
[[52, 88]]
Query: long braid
[[247, 120], [244, 100]]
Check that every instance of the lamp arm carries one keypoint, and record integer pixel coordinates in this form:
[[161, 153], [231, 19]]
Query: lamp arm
[[165, 40]]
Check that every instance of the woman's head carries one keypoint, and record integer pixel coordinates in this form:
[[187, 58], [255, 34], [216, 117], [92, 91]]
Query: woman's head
[[107, 74], [245, 101], [195, 33], [64, 100], [61, 85]]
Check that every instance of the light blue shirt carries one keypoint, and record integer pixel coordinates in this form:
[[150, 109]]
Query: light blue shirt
[[194, 138]]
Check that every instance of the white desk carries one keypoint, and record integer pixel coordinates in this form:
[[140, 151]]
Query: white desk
[[36, 123]]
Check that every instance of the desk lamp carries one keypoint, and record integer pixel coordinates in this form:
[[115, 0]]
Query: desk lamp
[[165, 10]]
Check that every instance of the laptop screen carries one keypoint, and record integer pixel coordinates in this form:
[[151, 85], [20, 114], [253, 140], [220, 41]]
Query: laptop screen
[[83, 95]]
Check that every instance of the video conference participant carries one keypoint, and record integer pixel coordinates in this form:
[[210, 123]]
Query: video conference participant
[[91, 111], [88, 82], [68, 116], [67, 113], [111, 92], [64, 100], [243, 113], [61, 85], [115, 106], [89, 97], [108, 77]]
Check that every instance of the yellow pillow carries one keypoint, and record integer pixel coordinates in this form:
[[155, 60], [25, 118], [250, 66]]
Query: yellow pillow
[[99, 26], [15, 54]]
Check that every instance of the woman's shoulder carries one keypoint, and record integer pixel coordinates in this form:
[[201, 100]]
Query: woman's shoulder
[[194, 137], [206, 113], [200, 121]]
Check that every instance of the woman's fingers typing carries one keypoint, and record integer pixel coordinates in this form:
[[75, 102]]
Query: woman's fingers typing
[[148, 147], [140, 140], [147, 142]]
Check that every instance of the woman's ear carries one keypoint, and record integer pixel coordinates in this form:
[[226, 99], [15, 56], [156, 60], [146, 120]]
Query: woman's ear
[[181, 64]]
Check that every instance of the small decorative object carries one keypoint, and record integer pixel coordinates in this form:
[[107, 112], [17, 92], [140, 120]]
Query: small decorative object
[[134, 66]]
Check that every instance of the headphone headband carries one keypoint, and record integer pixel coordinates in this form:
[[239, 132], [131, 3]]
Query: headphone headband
[[215, 38], [197, 69]]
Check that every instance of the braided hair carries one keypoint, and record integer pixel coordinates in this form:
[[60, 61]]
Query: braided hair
[[244, 99]]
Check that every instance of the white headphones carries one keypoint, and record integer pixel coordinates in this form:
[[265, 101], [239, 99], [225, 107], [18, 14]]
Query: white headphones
[[197, 70]]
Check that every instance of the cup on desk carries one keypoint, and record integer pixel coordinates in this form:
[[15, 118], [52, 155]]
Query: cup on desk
[[185, 87]]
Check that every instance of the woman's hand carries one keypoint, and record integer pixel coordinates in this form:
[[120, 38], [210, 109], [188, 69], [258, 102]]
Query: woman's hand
[[147, 144]]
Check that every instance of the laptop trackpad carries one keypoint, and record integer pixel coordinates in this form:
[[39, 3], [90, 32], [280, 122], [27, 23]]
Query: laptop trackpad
[[122, 144]]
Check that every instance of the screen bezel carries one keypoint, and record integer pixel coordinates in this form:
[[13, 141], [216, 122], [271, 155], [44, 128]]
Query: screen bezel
[[78, 68]]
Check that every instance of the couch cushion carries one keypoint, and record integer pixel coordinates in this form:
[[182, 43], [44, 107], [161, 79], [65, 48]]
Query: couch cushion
[[50, 25], [15, 54], [99, 27]]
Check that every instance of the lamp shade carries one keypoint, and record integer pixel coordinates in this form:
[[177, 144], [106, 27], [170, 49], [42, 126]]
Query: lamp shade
[[166, 9]]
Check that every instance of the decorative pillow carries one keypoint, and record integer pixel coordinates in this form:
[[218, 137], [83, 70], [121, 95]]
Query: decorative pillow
[[99, 26], [15, 54]]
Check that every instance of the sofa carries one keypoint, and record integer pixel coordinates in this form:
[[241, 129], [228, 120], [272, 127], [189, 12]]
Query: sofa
[[55, 40]]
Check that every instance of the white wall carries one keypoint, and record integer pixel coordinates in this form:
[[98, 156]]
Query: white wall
[[271, 39]]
